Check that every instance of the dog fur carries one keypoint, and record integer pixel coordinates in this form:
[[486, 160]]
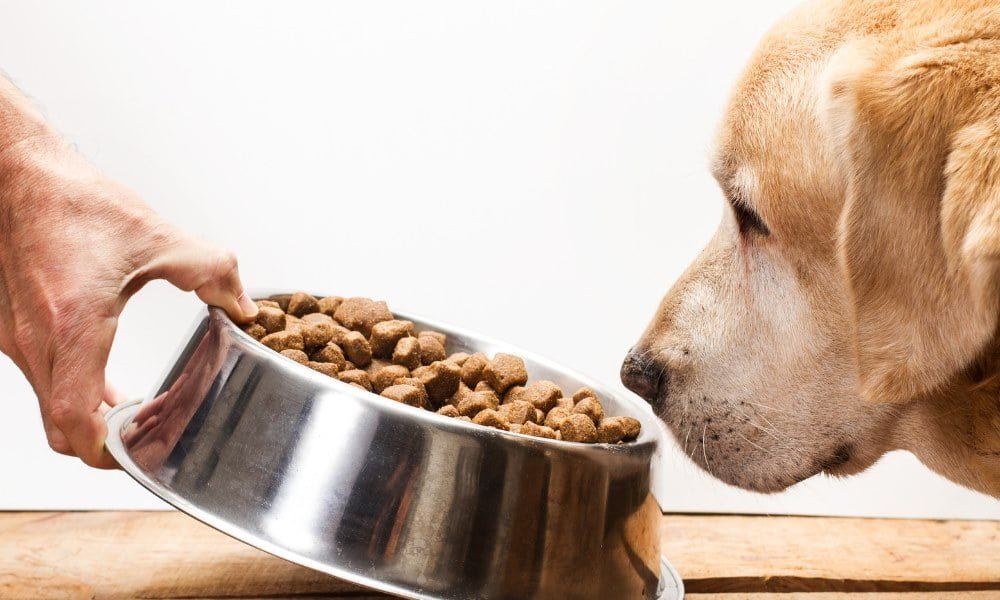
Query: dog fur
[[861, 314]]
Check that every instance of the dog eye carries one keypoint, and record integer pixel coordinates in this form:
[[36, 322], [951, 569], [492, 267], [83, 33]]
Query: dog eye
[[747, 219]]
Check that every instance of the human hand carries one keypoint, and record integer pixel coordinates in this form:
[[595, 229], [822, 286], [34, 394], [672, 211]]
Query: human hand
[[74, 246]]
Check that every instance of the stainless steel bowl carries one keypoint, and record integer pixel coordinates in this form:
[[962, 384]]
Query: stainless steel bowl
[[389, 496]]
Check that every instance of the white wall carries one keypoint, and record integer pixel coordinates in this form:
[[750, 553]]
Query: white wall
[[532, 170]]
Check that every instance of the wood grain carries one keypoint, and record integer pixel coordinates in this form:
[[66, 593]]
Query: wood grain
[[168, 555]]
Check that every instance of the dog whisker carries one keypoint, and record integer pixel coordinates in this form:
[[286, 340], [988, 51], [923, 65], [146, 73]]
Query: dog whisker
[[704, 449]]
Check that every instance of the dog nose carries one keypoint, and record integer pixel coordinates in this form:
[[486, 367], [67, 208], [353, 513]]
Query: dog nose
[[643, 376]]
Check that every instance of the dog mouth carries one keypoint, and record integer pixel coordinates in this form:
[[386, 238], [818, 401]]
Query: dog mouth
[[837, 464]]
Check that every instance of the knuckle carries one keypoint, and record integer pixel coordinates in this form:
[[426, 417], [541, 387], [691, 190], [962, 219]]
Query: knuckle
[[59, 444], [63, 415]]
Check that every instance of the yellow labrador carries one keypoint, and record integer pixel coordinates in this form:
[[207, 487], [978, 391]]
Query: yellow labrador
[[848, 304]]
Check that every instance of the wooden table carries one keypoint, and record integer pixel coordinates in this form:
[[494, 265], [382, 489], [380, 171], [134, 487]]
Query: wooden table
[[168, 555]]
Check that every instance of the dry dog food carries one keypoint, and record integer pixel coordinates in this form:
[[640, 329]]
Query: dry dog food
[[360, 342]]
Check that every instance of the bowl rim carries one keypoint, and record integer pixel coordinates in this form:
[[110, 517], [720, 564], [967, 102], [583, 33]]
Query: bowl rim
[[647, 442]]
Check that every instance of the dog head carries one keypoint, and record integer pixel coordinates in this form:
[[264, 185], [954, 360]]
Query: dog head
[[848, 302]]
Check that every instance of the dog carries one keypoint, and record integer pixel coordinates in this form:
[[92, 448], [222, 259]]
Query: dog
[[848, 303]]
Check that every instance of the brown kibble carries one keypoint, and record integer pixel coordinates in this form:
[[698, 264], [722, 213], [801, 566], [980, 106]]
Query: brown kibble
[[632, 428], [407, 394], [543, 394], [356, 349], [504, 371], [514, 427], [271, 319], [359, 386], [529, 428], [474, 403], [387, 376], [458, 358], [460, 394], [348, 366], [514, 394], [610, 431], [491, 418], [539, 416], [411, 381], [329, 305], [331, 353], [441, 380], [301, 304], [578, 428], [361, 314], [437, 335], [431, 350], [591, 407], [317, 329], [323, 367], [461, 418], [448, 411], [283, 340], [281, 300], [339, 333], [386, 334], [296, 355], [268, 303], [482, 386], [407, 353], [293, 323], [472, 369], [556, 417], [565, 403], [584, 392], [356, 376], [256, 331], [519, 411]]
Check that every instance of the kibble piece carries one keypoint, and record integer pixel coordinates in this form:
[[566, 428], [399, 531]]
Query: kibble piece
[[387, 376], [359, 386], [283, 340], [491, 418], [529, 428], [331, 353], [407, 394], [504, 371], [407, 353], [411, 381], [632, 428], [578, 428], [472, 369], [519, 412], [281, 300], [296, 355], [539, 416], [460, 394], [437, 335], [329, 305], [361, 314], [610, 431], [584, 392], [482, 388], [474, 403], [441, 380], [543, 394], [356, 349], [556, 417], [565, 403], [268, 303], [514, 427], [514, 394], [431, 350], [301, 304], [386, 334], [323, 367], [256, 331], [356, 376], [293, 323], [272, 319], [590, 407], [461, 418], [339, 332], [317, 330], [348, 366], [458, 358], [448, 411]]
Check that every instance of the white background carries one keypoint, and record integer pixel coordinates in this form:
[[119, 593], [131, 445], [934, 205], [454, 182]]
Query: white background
[[531, 170]]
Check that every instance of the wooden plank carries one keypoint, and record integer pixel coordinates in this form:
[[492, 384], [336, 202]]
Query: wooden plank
[[169, 555], [716, 553]]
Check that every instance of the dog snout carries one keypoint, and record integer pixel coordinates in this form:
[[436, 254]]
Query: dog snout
[[644, 376]]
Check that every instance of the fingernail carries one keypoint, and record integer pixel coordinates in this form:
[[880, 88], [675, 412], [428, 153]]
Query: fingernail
[[247, 305]]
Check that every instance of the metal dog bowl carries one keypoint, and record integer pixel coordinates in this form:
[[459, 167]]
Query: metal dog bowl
[[392, 497]]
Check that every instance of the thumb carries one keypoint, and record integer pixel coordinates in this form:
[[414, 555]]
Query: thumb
[[213, 273]]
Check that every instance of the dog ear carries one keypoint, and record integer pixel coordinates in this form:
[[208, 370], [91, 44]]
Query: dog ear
[[916, 130]]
